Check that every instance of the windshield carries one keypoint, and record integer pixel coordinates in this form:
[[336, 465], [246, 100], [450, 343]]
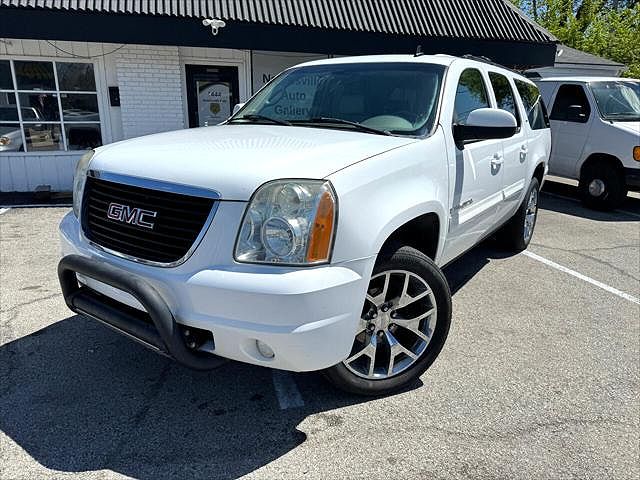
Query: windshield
[[391, 98], [618, 100]]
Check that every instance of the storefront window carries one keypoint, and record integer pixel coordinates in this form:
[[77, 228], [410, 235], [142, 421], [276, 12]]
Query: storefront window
[[39, 107], [42, 137], [76, 77], [48, 106], [79, 107], [5, 75], [35, 75], [8, 107]]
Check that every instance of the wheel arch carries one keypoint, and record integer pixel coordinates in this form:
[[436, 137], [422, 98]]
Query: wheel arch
[[539, 172], [598, 158], [423, 231]]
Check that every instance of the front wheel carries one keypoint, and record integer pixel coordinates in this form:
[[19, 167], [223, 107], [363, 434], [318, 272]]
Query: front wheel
[[602, 186], [403, 327]]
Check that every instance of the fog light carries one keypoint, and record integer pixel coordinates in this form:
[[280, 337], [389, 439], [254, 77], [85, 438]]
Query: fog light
[[264, 349]]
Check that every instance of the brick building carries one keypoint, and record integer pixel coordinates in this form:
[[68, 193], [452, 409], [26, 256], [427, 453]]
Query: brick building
[[75, 74]]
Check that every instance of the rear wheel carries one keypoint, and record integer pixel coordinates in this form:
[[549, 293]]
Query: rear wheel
[[602, 186], [518, 232], [403, 327]]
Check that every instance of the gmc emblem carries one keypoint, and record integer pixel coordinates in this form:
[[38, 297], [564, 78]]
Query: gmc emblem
[[132, 216]]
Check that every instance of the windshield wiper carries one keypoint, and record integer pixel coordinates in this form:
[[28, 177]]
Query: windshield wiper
[[340, 121], [256, 118]]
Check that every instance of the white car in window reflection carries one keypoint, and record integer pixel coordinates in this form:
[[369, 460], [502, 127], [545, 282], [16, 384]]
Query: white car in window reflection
[[10, 135], [10, 139]]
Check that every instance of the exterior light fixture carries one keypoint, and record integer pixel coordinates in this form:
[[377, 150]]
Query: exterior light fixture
[[214, 23]]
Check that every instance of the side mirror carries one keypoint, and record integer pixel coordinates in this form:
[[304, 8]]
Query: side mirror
[[237, 108], [486, 124], [575, 113]]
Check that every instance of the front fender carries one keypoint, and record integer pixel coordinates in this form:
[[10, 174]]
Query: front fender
[[379, 195], [403, 217]]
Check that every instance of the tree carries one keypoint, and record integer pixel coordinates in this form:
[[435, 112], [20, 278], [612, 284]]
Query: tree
[[608, 28]]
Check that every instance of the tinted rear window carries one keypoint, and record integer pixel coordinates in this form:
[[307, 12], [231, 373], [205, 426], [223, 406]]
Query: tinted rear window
[[505, 97], [533, 104]]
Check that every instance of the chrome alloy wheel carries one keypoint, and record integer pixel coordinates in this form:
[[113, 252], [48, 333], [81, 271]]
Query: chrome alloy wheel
[[397, 323], [530, 215]]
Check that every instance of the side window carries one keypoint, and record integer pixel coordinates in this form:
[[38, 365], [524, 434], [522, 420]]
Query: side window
[[533, 104], [571, 105], [505, 97], [471, 95]]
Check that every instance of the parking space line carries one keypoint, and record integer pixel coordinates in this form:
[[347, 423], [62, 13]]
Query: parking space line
[[555, 195], [286, 390], [582, 277], [4, 210]]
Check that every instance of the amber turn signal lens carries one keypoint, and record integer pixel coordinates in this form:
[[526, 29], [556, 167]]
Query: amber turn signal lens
[[636, 154], [322, 231]]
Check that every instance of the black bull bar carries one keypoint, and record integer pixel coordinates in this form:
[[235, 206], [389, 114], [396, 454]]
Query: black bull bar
[[166, 338]]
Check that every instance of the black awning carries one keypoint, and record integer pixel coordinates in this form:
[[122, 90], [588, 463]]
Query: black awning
[[471, 19], [492, 28]]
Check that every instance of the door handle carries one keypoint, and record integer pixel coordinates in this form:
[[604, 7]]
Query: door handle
[[497, 160], [523, 153]]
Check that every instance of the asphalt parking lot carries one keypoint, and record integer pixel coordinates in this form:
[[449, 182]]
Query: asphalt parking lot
[[540, 377]]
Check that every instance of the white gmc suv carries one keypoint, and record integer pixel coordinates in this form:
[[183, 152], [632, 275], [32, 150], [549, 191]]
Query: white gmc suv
[[307, 232]]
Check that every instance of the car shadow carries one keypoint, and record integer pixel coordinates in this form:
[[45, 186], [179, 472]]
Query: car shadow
[[78, 397], [563, 198], [463, 269]]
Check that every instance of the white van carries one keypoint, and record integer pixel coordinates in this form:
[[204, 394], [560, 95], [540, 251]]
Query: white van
[[595, 125]]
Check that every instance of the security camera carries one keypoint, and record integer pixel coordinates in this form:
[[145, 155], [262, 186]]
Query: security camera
[[214, 23]]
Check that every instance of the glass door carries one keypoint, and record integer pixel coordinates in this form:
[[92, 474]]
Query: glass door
[[212, 91]]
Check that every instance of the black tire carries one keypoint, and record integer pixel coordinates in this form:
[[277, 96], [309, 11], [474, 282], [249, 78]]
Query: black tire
[[513, 236], [613, 189], [410, 260]]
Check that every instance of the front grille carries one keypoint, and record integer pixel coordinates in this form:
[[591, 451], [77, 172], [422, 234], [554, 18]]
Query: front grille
[[176, 226]]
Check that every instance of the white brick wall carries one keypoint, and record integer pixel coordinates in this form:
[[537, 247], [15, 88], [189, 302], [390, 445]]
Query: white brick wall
[[150, 89]]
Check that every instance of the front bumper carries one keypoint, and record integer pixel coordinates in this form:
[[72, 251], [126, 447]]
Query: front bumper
[[308, 317]]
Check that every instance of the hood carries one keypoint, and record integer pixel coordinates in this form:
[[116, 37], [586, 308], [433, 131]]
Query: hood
[[631, 127], [234, 160]]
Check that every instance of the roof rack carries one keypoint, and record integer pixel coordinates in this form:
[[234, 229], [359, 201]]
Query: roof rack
[[487, 60]]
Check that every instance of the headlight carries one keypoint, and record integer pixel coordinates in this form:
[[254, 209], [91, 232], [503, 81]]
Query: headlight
[[79, 179], [288, 222], [4, 141], [636, 154]]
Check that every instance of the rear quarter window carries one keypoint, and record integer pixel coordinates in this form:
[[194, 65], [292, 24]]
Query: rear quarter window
[[505, 97], [533, 104]]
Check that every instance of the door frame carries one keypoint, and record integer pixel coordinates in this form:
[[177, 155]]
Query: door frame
[[474, 211], [570, 170], [244, 77], [195, 74]]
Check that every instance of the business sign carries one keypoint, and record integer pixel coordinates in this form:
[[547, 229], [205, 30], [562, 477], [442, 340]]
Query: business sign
[[266, 65], [214, 103]]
